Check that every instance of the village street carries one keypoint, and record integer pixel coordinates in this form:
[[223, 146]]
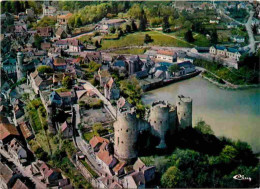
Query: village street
[[25, 171]]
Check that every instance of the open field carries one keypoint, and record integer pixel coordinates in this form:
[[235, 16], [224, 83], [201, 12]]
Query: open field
[[137, 39]]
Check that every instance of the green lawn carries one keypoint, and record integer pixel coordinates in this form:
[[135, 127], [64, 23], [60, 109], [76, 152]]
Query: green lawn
[[137, 39], [87, 136], [201, 40], [94, 174]]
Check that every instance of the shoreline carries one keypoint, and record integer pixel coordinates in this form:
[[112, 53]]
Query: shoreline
[[227, 85]]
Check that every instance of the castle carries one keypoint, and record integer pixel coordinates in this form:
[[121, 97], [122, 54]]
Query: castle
[[161, 119]]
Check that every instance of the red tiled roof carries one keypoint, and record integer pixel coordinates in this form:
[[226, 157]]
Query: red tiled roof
[[25, 130], [64, 126], [45, 46], [19, 185], [7, 129], [59, 62], [165, 52], [65, 94], [5, 173], [119, 166], [104, 156], [96, 140]]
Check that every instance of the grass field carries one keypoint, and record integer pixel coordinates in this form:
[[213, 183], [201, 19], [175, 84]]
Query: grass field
[[137, 39], [201, 40]]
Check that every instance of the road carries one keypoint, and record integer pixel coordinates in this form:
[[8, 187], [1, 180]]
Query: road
[[25, 171], [250, 32], [248, 25], [106, 102]]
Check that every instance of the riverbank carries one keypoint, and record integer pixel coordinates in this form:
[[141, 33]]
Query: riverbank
[[225, 84], [151, 84]]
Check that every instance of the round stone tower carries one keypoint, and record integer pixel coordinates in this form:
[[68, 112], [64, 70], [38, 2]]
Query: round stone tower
[[125, 136], [159, 121], [184, 111], [19, 66]]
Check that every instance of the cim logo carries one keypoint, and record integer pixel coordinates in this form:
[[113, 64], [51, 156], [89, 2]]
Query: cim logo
[[242, 177]]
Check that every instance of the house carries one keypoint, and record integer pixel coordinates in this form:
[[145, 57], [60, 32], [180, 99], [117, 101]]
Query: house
[[111, 91], [17, 151], [238, 39], [45, 46], [19, 185], [106, 23], [26, 131], [166, 56], [50, 175], [18, 108], [134, 64], [29, 13], [213, 21], [66, 129], [123, 104], [59, 64], [62, 44], [149, 172], [140, 177], [60, 33], [75, 45], [232, 25], [48, 10], [55, 99], [134, 180], [67, 98], [185, 68], [106, 160], [44, 31], [224, 52], [103, 77], [119, 168], [96, 141], [92, 56], [40, 82], [63, 19], [8, 131], [200, 50], [7, 176]]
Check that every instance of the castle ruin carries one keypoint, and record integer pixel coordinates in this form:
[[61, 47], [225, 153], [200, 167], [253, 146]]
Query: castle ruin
[[162, 118]]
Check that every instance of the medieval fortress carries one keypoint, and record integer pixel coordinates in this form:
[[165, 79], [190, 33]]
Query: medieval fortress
[[161, 119]]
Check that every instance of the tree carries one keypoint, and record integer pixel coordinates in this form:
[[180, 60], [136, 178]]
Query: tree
[[112, 29], [228, 154], [37, 41], [203, 127], [189, 37], [67, 82], [78, 22], [214, 37], [165, 25], [143, 21], [133, 25], [119, 32], [99, 130], [128, 28], [97, 44], [147, 38], [44, 69], [173, 68], [171, 177]]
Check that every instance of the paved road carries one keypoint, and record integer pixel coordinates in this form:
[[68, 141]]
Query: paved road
[[87, 151], [24, 170], [107, 104], [250, 32]]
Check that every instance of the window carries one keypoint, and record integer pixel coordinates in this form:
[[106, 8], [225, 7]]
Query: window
[[154, 121], [126, 130], [117, 140]]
